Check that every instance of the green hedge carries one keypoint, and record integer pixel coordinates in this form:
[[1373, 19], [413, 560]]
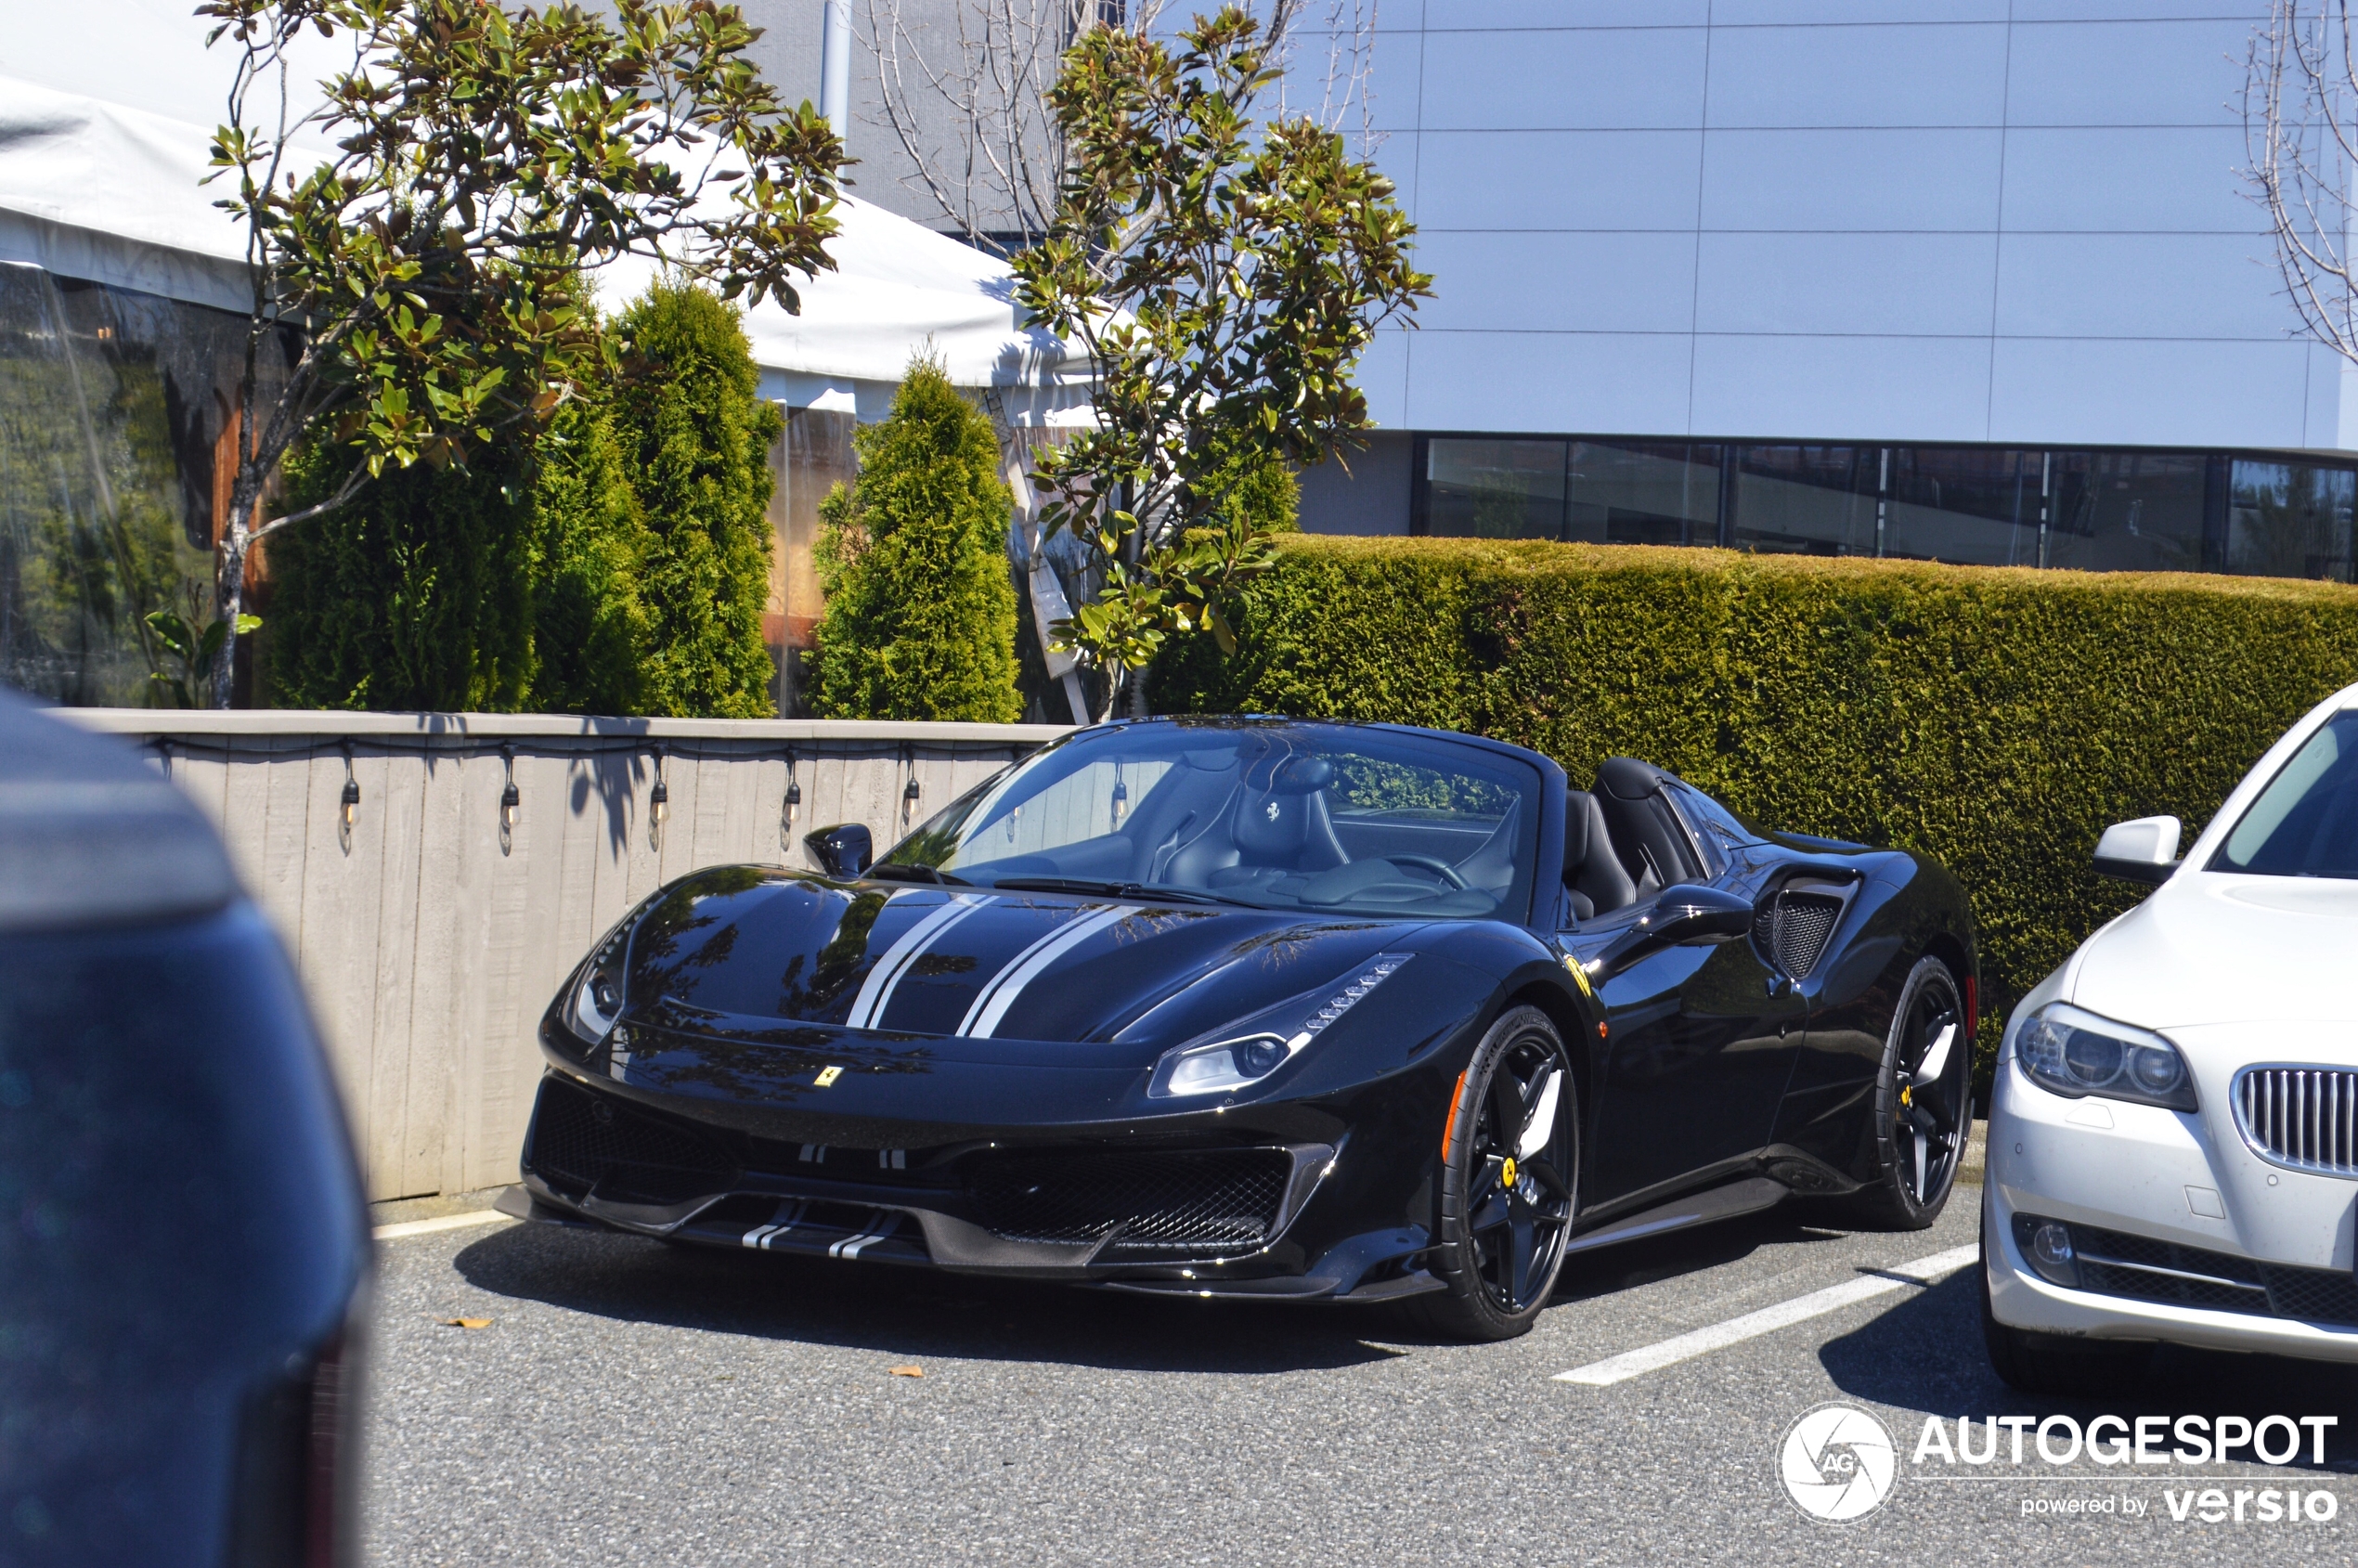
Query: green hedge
[[1998, 718]]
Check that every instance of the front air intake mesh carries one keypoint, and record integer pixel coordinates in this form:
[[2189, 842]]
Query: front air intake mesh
[[1214, 1203], [593, 1144], [1791, 929], [2305, 1118], [2138, 1266]]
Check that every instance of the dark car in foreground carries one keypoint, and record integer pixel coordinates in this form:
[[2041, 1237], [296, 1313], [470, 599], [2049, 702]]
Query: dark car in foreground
[[1269, 1008], [184, 1250]]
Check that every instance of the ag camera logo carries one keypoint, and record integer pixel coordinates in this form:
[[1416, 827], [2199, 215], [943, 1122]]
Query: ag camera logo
[[1838, 1463]]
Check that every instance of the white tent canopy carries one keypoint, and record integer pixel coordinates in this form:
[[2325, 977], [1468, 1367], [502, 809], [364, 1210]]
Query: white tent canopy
[[92, 188]]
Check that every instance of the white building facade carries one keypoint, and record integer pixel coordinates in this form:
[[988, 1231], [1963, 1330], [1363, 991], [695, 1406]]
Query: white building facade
[[1971, 280]]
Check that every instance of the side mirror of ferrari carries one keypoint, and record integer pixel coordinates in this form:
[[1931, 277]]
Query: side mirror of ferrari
[[1682, 914], [2145, 850], [847, 849]]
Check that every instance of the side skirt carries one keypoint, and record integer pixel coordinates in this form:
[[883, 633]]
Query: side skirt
[[1746, 1196]]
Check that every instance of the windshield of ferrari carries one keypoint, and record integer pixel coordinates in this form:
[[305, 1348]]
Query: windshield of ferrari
[[1318, 817], [2305, 823]]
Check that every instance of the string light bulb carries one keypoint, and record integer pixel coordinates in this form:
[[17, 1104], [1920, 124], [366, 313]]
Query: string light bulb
[[510, 801], [347, 803], [658, 806]]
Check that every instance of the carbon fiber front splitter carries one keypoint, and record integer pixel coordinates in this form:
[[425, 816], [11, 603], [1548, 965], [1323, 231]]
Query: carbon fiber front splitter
[[1378, 1266]]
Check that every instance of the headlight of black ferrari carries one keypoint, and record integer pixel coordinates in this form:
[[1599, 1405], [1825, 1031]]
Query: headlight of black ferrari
[[2076, 1052], [602, 986], [1268, 1043]]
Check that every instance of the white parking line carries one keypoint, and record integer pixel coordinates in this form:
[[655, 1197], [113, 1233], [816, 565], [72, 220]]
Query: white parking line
[[1767, 1320], [447, 1221]]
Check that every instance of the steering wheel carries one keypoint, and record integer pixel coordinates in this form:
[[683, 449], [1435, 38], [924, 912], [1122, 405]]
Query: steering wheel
[[1440, 868]]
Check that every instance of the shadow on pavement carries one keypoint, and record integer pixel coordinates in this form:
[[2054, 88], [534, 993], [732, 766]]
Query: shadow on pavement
[[912, 1313], [1926, 1355], [1632, 1264]]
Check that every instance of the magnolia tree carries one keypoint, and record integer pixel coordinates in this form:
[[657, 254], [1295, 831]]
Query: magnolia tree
[[1225, 278], [417, 293]]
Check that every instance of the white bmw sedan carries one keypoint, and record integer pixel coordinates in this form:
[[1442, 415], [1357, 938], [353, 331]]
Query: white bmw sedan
[[2174, 1136]]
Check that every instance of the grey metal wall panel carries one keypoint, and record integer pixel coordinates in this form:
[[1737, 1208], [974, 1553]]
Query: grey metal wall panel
[[1805, 388], [2143, 72], [2150, 179], [1925, 180], [1941, 75], [1938, 285], [1571, 79], [2139, 286], [1608, 282], [1631, 382], [1554, 179], [1757, 13], [1446, 14], [2150, 392]]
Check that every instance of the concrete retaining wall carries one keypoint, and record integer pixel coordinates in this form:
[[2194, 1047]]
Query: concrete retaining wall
[[431, 940]]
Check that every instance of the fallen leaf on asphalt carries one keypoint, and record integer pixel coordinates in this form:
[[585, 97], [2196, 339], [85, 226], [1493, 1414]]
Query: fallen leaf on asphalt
[[908, 1371], [466, 1323]]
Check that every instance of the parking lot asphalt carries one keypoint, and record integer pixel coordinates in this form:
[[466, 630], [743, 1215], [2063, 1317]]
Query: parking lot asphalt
[[628, 1402]]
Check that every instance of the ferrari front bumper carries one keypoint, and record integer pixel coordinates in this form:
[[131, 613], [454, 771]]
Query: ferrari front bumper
[[1182, 1214]]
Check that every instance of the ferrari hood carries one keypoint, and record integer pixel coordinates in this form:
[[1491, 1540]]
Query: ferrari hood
[[745, 952], [2218, 947]]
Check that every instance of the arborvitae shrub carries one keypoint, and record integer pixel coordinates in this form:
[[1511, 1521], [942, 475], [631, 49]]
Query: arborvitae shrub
[[920, 619], [417, 594], [695, 436], [589, 629]]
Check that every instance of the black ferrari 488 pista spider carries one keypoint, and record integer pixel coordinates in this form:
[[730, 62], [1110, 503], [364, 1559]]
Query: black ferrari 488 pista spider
[[1269, 1008]]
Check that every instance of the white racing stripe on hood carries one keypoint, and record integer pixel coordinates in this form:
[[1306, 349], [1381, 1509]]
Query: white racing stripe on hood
[[991, 1002], [875, 992]]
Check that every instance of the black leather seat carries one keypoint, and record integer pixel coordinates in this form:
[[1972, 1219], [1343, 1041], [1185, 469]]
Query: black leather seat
[[1594, 873], [1277, 832], [1644, 830]]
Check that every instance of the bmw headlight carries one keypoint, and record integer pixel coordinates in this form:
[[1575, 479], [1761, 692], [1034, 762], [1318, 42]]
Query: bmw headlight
[[1249, 1056], [2076, 1052]]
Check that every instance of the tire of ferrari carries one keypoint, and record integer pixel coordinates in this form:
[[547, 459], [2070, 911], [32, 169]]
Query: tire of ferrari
[[1507, 1183], [1915, 1171]]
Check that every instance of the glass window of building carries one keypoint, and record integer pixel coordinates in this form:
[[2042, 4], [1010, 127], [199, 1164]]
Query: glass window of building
[[2126, 511], [1642, 493], [1495, 489], [110, 419], [1807, 500], [1969, 505], [2290, 520]]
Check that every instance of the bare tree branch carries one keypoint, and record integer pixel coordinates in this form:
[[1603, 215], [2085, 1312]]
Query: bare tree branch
[[2301, 131], [970, 111]]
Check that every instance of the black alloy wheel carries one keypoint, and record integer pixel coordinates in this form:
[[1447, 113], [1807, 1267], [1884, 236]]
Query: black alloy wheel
[[1924, 1104], [1507, 1182]]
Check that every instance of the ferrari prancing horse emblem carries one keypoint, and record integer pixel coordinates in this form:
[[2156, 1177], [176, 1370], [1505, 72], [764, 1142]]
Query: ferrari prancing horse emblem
[[1272, 809], [828, 1075]]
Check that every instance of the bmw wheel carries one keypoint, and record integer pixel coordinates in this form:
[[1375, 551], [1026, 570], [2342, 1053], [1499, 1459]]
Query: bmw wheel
[[1923, 1105], [1508, 1177]]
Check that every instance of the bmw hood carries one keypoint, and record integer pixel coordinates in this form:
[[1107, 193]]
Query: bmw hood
[[2214, 948], [767, 954]]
